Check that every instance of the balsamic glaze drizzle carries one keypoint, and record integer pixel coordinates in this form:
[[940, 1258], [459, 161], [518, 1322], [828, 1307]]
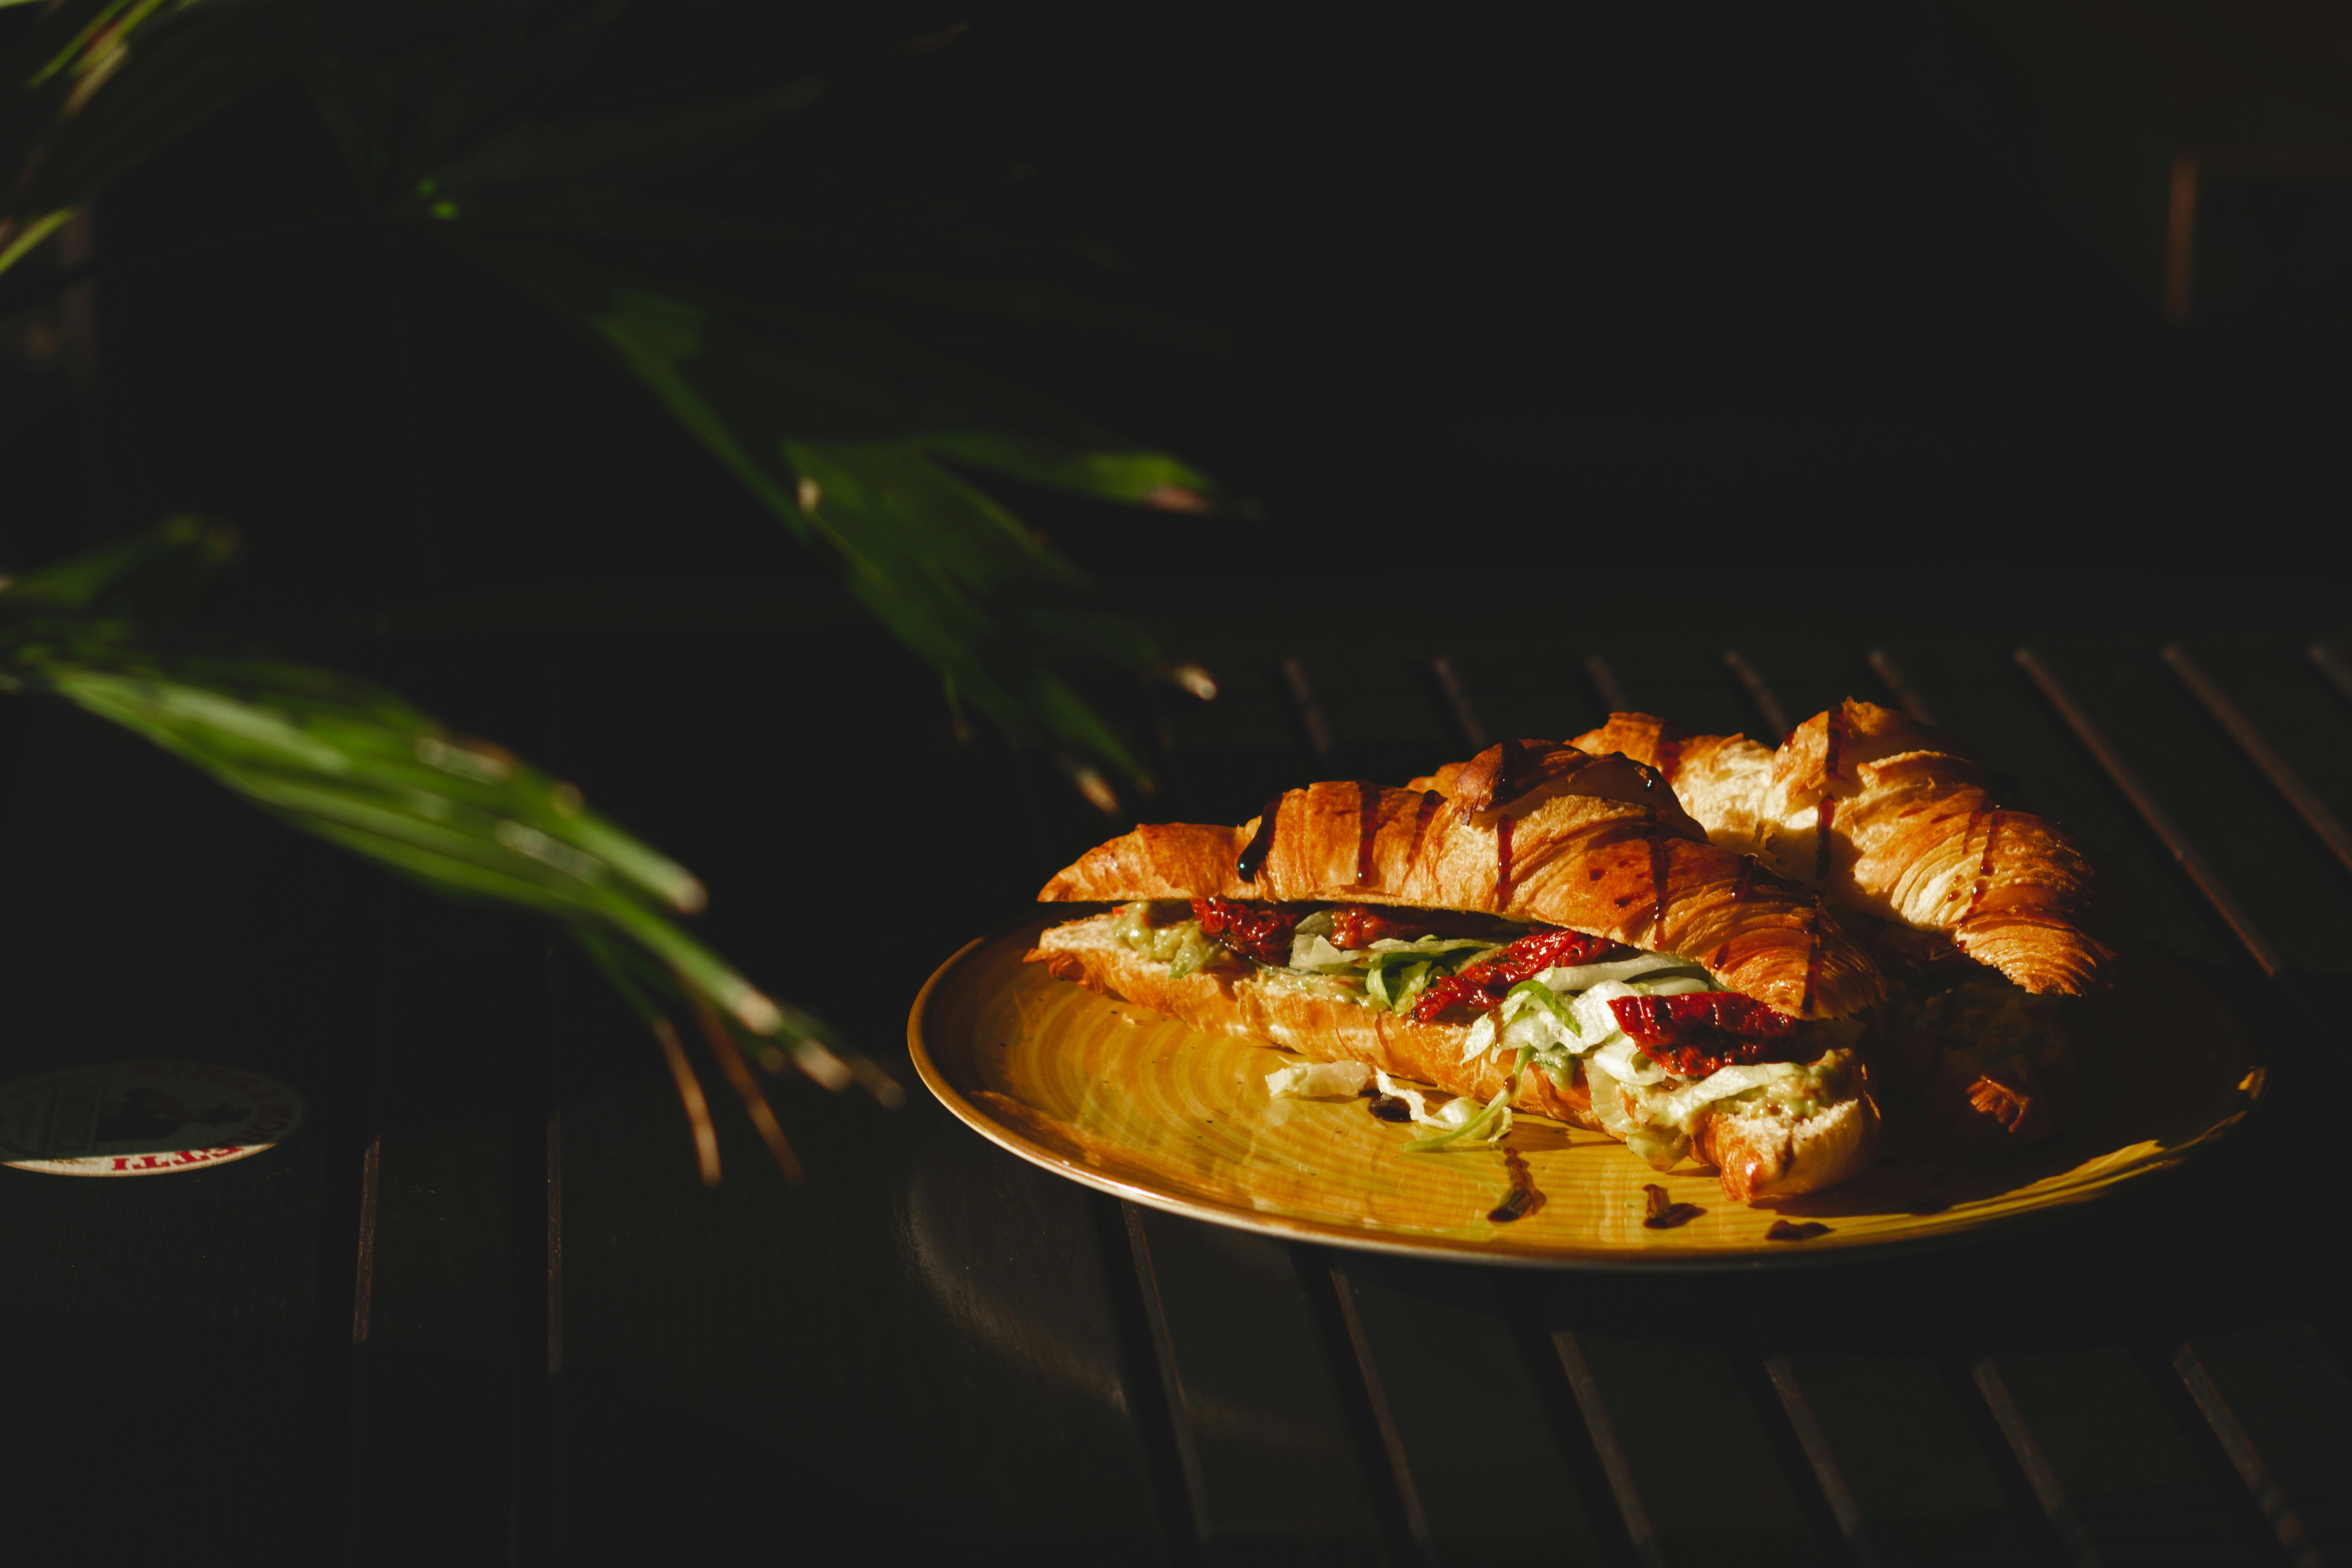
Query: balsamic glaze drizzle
[[1984, 865], [1659, 868], [1833, 751], [1812, 962], [1367, 829], [1523, 1199], [1261, 844], [1423, 815], [1507, 770]]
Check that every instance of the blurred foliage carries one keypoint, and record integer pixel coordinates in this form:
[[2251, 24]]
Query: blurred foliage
[[358, 766], [786, 302]]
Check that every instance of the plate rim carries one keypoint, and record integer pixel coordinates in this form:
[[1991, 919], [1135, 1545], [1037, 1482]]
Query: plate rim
[[2058, 1209]]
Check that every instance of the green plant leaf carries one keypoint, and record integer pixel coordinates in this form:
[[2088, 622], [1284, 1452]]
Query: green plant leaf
[[840, 430], [787, 304], [96, 86], [358, 765], [152, 577]]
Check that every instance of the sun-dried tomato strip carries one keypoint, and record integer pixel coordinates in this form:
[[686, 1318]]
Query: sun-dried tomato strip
[[1694, 1034], [1262, 931], [1357, 926], [1484, 983]]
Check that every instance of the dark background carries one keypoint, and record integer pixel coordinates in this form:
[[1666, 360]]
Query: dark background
[[1708, 285]]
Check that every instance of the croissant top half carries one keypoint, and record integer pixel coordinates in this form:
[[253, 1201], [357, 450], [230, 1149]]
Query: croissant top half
[[1535, 831], [1889, 815]]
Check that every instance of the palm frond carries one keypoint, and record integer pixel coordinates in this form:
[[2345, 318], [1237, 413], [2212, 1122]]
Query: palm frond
[[356, 764], [791, 305]]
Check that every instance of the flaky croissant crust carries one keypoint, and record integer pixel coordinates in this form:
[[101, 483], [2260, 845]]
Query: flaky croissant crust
[[1912, 833], [1540, 832]]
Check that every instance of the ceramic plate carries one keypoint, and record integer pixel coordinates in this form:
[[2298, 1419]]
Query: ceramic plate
[[1139, 1105]]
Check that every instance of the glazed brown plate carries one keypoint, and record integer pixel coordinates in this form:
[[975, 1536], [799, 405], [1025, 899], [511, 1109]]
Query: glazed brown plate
[[1139, 1105]]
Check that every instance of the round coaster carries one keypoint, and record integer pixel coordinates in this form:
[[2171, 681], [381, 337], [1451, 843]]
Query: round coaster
[[141, 1119]]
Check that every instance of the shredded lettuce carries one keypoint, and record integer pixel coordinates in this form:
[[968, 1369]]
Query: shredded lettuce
[[1559, 1066], [1426, 945], [1313, 949], [1679, 986], [1397, 972], [1535, 1030], [1396, 982], [1608, 1104], [1584, 977], [1628, 1063], [1596, 1025], [1310, 1080], [1480, 1039], [1662, 1147], [1458, 1121], [1197, 949], [1533, 1016], [1677, 1109], [1180, 944], [1536, 992]]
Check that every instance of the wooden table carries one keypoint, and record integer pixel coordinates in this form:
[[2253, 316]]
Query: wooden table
[[482, 1310]]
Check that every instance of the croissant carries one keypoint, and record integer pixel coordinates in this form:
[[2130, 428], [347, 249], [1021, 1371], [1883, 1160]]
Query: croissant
[[1533, 831], [1887, 815]]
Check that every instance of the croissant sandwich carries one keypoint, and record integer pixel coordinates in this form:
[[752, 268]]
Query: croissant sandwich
[[1891, 818], [1555, 933]]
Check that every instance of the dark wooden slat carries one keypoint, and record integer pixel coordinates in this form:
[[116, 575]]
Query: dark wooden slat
[[1845, 1510], [1918, 1485], [2160, 822], [1396, 1470], [1312, 723], [432, 1447], [2253, 1472], [1374, 714], [1676, 1408], [1467, 1415], [2333, 666], [1604, 676], [1898, 686], [1615, 1463], [2037, 764], [1171, 1376], [1512, 690], [1280, 1469], [2282, 1405], [2122, 1485], [1759, 694], [2259, 751], [2044, 1476], [1455, 703], [1805, 676], [1694, 689], [2293, 706]]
